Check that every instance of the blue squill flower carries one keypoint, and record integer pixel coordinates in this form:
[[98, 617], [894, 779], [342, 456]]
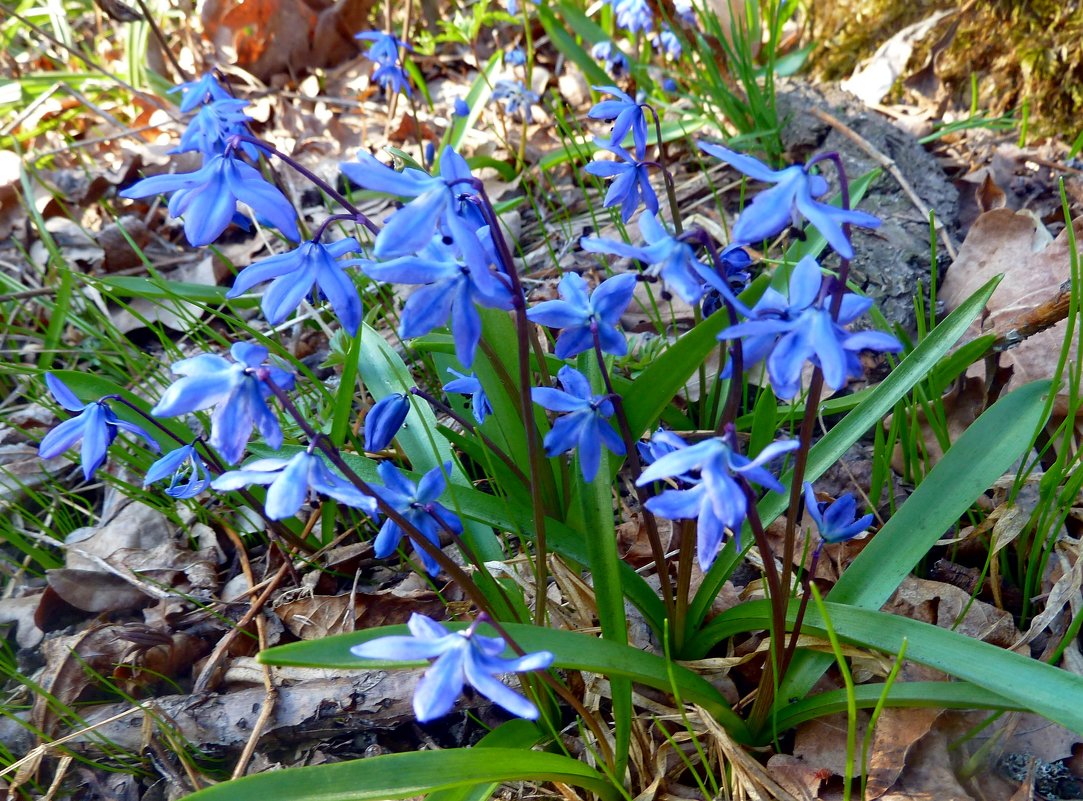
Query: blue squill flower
[[462, 108], [673, 260], [515, 57], [581, 314], [685, 12], [836, 521], [202, 90], [632, 181], [452, 288], [385, 46], [210, 130], [392, 79], [235, 389], [616, 63], [470, 385], [633, 15], [793, 194], [419, 504], [293, 273], [207, 199], [291, 481], [188, 475], [788, 330], [435, 205], [462, 657], [668, 43], [384, 420], [627, 115], [584, 426], [516, 98], [96, 425], [718, 501]]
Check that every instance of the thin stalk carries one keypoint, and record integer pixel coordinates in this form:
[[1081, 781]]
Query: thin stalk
[[671, 191], [632, 454], [684, 578], [473, 429]]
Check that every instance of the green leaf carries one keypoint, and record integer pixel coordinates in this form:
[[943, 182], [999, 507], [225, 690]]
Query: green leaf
[[573, 651], [914, 368], [984, 452], [515, 733], [404, 775], [130, 286], [557, 29], [476, 98]]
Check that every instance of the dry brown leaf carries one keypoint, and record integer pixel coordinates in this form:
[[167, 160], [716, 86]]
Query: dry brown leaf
[[896, 733], [323, 615], [929, 774], [942, 604], [21, 612]]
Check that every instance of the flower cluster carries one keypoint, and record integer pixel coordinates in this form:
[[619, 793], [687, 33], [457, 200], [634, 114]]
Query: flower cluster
[[384, 52]]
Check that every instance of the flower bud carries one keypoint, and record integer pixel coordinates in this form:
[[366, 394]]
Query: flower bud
[[384, 420]]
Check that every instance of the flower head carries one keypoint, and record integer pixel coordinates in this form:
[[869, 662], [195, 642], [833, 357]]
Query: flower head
[[516, 98], [788, 330], [213, 125], [293, 273], [384, 420], [836, 521], [236, 390], [96, 425], [470, 385], [584, 426], [291, 481], [631, 185], [515, 57], [627, 115], [793, 193], [667, 42], [451, 289], [178, 465], [418, 503], [462, 657], [718, 501], [633, 15], [207, 199], [461, 108], [581, 314], [203, 89], [616, 63]]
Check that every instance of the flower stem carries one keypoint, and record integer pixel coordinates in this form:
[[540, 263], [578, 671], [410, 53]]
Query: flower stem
[[671, 191]]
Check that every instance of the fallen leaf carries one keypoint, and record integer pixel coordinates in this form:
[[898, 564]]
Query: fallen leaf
[[320, 616]]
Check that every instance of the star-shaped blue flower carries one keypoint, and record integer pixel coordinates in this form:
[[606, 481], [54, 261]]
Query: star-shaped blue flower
[[584, 426], [836, 521], [579, 313], [96, 425], [204, 89], [631, 185], [184, 467], [210, 129], [717, 501], [291, 481], [207, 199], [293, 273], [616, 63], [237, 392], [627, 115], [790, 330], [462, 657], [516, 98], [419, 504], [470, 385], [451, 289], [793, 194]]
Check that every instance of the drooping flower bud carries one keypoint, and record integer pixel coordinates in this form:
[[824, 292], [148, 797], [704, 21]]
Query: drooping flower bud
[[384, 420]]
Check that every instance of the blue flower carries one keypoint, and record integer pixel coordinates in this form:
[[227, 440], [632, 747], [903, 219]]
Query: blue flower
[[718, 500], [788, 331], [385, 46], [207, 198], [662, 443], [452, 287], [292, 481], [627, 115], [580, 314], [515, 57], [237, 392], [213, 125], [616, 63], [294, 273], [668, 42], [685, 12], [672, 259], [772, 211], [177, 465], [469, 385], [203, 89], [392, 79], [836, 522], [462, 657], [632, 185], [584, 426], [418, 503], [516, 98], [435, 205], [633, 15], [462, 108], [384, 420], [96, 425]]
